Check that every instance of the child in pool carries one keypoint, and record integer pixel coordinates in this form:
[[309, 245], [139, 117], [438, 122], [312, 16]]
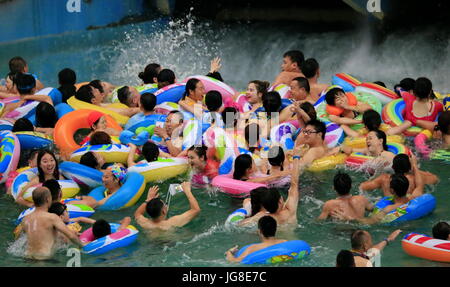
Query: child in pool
[[244, 170], [150, 151], [97, 123], [336, 97], [60, 209], [19, 65]]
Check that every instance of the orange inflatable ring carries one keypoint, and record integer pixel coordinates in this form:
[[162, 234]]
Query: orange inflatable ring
[[333, 110], [67, 126]]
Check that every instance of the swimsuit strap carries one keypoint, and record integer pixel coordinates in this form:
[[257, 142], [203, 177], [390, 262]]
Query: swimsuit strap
[[360, 255]]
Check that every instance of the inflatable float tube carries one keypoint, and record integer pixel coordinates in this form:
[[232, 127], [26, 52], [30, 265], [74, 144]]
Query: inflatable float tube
[[80, 105], [281, 252], [6, 125], [10, 154], [414, 209], [426, 247], [75, 210], [147, 88], [383, 94], [360, 142], [211, 84], [116, 239], [26, 110], [347, 82], [283, 89], [356, 160], [420, 141], [327, 162], [113, 153], [128, 194], [139, 139], [140, 120], [161, 169], [172, 93], [34, 140], [233, 187], [81, 174], [236, 216], [392, 114]]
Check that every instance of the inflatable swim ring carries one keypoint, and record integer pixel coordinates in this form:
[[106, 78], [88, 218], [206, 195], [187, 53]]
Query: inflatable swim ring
[[113, 153], [213, 84], [356, 160], [81, 174], [34, 140], [9, 154], [347, 82], [283, 89], [393, 115], [233, 187], [383, 94], [116, 239], [281, 252], [80, 105], [426, 247], [360, 142], [75, 210], [172, 93], [161, 169]]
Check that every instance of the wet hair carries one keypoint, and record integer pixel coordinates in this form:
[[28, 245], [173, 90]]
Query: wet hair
[[296, 56], [241, 164], [345, 258], [267, 226], [57, 208], [423, 88], [40, 196], [101, 228], [85, 93], [17, 65], [200, 151], [150, 72], [124, 95], [309, 110], [213, 100], [154, 207], [67, 79], [441, 230], [98, 85], [23, 125], [303, 83], [148, 101], [270, 200], [401, 164], [319, 126], [406, 84], [46, 116], [191, 85], [100, 138], [261, 86], [381, 135], [252, 134], [25, 83], [380, 83], [372, 120], [276, 156], [150, 151], [330, 96], [255, 199], [89, 159], [230, 117], [165, 77], [54, 187], [310, 68], [40, 171], [400, 184], [444, 122], [271, 102], [358, 239], [342, 183]]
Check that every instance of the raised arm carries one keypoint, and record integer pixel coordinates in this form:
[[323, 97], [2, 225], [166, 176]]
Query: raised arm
[[59, 225], [186, 217], [130, 158], [152, 193], [372, 184], [418, 190], [293, 193]]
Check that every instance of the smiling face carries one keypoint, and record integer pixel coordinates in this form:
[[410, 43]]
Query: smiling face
[[109, 181], [195, 161], [47, 164], [373, 142], [252, 94], [199, 92], [297, 93], [172, 122], [341, 99]]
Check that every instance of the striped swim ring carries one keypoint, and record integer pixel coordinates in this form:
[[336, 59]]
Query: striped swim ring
[[393, 115], [426, 247]]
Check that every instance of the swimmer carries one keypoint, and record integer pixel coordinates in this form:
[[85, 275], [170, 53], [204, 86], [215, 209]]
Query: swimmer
[[147, 105], [312, 138], [93, 160], [267, 228], [345, 258], [157, 210], [203, 169], [42, 227], [165, 78], [311, 70], [19, 65], [46, 118], [150, 73], [171, 134], [290, 68], [441, 230], [150, 151], [101, 227], [60, 209], [336, 97], [129, 96], [103, 87], [442, 129], [67, 79], [254, 94], [9, 90], [245, 170], [193, 97], [214, 69], [97, 123], [352, 205]]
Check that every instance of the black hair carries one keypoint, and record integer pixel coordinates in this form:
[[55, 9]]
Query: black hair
[[98, 85], [17, 65], [400, 184], [67, 79], [25, 83], [444, 122], [423, 88], [358, 239], [267, 226], [406, 84], [57, 208], [310, 68], [213, 100], [200, 151], [150, 151], [100, 138], [296, 56], [85, 93], [46, 116], [154, 207], [230, 117], [309, 110], [381, 135], [241, 164], [271, 102], [54, 187], [261, 86], [319, 127], [270, 200], [276, 156], [441, 230], [372, 120], [191, 85], [101, 228], [148, 101], [255, 199], [165, 77], [303, 83], [342, 183], [401, 164], [150, 72], [23, 125], [380, 83], [345, 258], [330, 96], [89, 159], [40, 171], [252, 134], [123, 94], [40, 196]]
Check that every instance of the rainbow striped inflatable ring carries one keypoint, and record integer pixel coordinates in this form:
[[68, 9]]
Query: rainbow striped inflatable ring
[[426, 247], [393, 115], [347, 82], [105, 244], [9, 154], [213, 84], [383, 94], [356, 160]]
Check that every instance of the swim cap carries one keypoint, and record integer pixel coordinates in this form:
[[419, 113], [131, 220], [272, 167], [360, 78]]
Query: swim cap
[[93, 117], [118, 172]]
